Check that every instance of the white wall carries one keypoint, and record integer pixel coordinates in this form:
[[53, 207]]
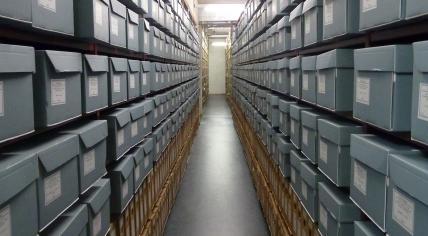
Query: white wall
[[217, 68]]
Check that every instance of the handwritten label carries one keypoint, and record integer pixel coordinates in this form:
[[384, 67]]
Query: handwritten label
[[362, 94], [305, 82], [328, 12], [116, 83], [120, 137], [93, 86], [134, 129], [5, 221], [88, 162], [308, 17], [403, 211], [98, 12], [58, 92], [321, 83], [131, 81], [323, 148], [360, 178], [423, 102], [52, 187]]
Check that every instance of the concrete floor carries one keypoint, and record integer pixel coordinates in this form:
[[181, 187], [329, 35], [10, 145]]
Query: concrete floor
[[217, 196]]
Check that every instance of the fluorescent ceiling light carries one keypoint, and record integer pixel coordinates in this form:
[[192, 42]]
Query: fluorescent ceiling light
[[219, 44], [219, 36]]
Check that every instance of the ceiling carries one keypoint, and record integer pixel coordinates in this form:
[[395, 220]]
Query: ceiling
[[222, 1]]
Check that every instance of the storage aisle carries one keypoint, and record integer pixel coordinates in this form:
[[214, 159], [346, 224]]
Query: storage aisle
[[217, 196]]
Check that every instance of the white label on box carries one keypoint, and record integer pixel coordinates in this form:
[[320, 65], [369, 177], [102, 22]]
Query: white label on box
[[137, 172], [158, 146], [131, 32], [360, 178], [146, 162], [146, 38], [164, 140], [323, 217], [308, 22], [98, 12], [156, 112], [5, 221], [305, 136], [293, 30], [132, 81], [120, 137], [423, 102], [155, 42], [363, 91], [134, 129], [293, 175], [52, 187], [369, 5], [93, 86], [161, 108], [304, 190], [48, 4], [321, 83], [323, 151], [157, 77], [328, 12], [125, 189], [305, 82], [116, 83], [145, 122], [57, 92], [292, 79], [403, 211], [1, 99], [280, 79], [144, 79], [114, 24], [88, 162], [96, 224], [292, 126]]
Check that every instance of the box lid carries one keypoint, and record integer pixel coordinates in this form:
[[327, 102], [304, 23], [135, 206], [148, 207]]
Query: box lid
[[164, 67], [122, 116], [421, 53], [119, 64], [283, 146], [97, 63], [337, 203], [168, 9], [146, 25], [158, 67], [310, 4], [71, 223], [132, 17], [272, 99], [366, 228], [118, 8], [17, 171], [337, 131], [310, 174], [137, 111], [90, 133], [16, 59], [134, 65], [147, 146], [98, 195], [125, 167], [309, 63], [156, 32], [296, 159], [295, 111], [284, 105], [310, 118], [137, 154], [145, 66], [338, 58], [158, 100], [148, 105], [391, 58], [297, 12], [161, 4], [295, 63], [64, 62]]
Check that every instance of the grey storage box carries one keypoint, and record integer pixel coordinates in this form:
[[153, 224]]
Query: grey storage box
[[284, 116], [407, 209], [94, 83], [97, 199], [155, 82], [161, 13], [92, 19], [297, 27], [92, 151], [57, 82], [71, 223], [161, 44], [132, 31], [283, 83], [370, 174], [145, 36], [140, 121], [334, 149], [16, 11], [156, 41], [286, 5], [310, 141], [336, 212], [416, 8], [366, 228], [18, 202], [146, 77], [157, 143], [164, 76], [310, 177], [117, 24], [158, 110], [168, 47], [383, 86], [118, 80], [296, 160], [152, 7], [284, 34], [54, 16], [309, 79], [283, 155], [313, 21], [374, 13], [296, 77], [273, 110], [119, 133], [122, 185], [296, 124], [335, 79], [134, 73], [340, 18], [420, 93], [17, 65], [143, 162]]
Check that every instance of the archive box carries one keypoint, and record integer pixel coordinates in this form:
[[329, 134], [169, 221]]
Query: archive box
[[15, 12], [18, 200], [119, 133], [296, 160], [161, 13], [309, 79], [273, 110], [370, 174], [407, 207], [337, 213], [296, 77], [284, 148], [334, 149], [383, 86], [117, 24], [310, 177], [168, 44], [366, 228], [92, 19], [53, 16], [72, 222], [286, 5], [143, 162], [283, 83], [284, 116], [296, 124], [140, 121], [274, 74], [416, 8], [17, 65], [122, 185], [164, 76], [161, 45], [58, 85], [297, 24], [374, 13], [309, 145], [156, 41], [118, 80], [166, 133], [97, 199], [156, 82], [340, 17], [134, 73], [95, 83], [151, 8], [157, 142], [92, 151], [312, 15], [158, 110], [132, 32], [145, 36], [335, 79]]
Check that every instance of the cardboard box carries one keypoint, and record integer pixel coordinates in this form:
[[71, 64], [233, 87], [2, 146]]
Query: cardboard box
[[16, 77], [283, 155], [297, 24], [310, 177], [72, 222], [95, 83], [132, 33], [334, 149], [97, 199], [18, 204], [375, 13], [118, 24], [313, 21], [366, 228], [407, 209], [16, 12], [118, 80], [337, 213], [58, 86], [122, 184], [92, 19], [92, 151], [145, 36], [134, 73], [119, 130], [53, 16], [296, 124], [419, 121], [309, 145], [340, 18], [416, 8], [309, 79], [296, 77], [296, 160], [335, 79], [284, 116], [143, 162]]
